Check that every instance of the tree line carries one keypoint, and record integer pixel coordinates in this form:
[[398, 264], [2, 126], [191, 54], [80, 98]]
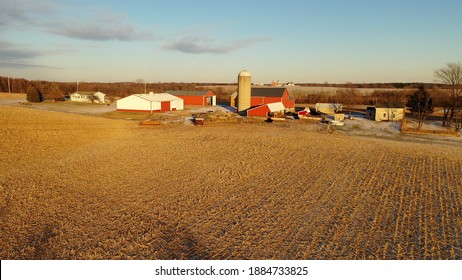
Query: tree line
[[56, 90]]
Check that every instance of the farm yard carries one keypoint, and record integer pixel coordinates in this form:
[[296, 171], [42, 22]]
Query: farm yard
[[85, 187]]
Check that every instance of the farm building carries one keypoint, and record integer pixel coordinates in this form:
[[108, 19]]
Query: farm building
[[151, 102], [266, 95], [276, 108], [203, 98], [328, 108], [86, 96], [386, 112], [339, 116]]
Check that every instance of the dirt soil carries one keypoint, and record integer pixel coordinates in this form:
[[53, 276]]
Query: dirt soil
[[85, 187]]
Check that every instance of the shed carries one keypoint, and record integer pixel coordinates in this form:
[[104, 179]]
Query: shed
[[152, 102], [387, 111], [339, 116], [276, 108], [203, 98]]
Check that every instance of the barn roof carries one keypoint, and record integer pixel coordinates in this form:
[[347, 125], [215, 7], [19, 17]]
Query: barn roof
[[272, 107], [188, 92], [157, 97], [268, 91], [86, 92]]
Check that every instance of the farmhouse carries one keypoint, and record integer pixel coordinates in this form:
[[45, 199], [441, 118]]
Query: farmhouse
[[386, 112], [152, 102], [87, 96], [270, 109], [202, 98]]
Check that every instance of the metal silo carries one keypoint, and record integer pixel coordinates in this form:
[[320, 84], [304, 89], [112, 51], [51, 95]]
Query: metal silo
[[243, 90]]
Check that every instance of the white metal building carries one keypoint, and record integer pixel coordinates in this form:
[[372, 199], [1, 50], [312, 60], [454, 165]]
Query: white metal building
[[151, 102]]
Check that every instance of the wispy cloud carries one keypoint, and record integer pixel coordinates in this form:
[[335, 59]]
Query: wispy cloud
[[24, 12], [17, 56], [101, 26], [200, 45]]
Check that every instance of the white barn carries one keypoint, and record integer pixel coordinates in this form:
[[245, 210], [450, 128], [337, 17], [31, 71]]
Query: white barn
[[151, 102]]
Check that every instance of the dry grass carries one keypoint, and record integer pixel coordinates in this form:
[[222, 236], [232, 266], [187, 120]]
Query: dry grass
[[77, 187], [6, 95]]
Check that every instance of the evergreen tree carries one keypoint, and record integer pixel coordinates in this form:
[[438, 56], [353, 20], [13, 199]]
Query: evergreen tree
[[33, 94]]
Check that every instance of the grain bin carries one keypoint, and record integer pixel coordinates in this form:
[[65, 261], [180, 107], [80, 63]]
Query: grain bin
[[243, 90]]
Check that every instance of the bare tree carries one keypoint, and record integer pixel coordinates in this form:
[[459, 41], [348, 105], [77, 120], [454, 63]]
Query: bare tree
[[443, 100], [52, 91], [141, 81], [348, 95], [337, 107], [457, 121], [451, 76]]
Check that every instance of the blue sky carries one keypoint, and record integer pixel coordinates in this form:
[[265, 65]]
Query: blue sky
[[212, 40]]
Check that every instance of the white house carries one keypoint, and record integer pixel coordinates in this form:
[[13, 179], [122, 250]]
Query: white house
[[386, 111], [151, 102], [87, 96]]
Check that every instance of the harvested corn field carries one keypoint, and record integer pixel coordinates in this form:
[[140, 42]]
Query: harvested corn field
[[78, 187]]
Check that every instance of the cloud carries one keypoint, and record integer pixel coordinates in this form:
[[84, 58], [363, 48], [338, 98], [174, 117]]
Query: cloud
[[199, 45], [24, 12], [102, 32], [103, 25], [16, 56]]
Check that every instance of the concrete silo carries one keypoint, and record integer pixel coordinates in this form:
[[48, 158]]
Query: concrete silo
[[243, 91]]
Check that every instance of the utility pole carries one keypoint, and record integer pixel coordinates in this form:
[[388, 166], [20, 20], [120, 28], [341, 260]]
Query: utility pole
[[77, 87], [9, 86], [144, 87]]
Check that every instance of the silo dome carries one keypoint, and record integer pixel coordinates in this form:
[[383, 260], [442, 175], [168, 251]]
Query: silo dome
[[244, 73]]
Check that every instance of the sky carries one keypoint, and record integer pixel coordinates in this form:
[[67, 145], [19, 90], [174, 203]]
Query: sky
[[334, 41]]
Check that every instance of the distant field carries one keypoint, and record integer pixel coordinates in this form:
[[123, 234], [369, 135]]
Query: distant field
[[305, 89], [81, 187]]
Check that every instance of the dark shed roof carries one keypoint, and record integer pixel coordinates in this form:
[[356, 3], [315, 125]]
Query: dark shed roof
[[385, 104], [268, 91]]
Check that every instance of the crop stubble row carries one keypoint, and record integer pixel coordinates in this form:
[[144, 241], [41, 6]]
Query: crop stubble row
[[221, 192]]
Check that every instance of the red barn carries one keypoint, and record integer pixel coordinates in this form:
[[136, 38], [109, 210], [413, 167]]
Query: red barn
[[202, 98], [265, 95], [264, 110]]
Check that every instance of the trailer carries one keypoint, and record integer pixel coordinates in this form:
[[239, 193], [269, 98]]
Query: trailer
[[198, 121], [148, 123]]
